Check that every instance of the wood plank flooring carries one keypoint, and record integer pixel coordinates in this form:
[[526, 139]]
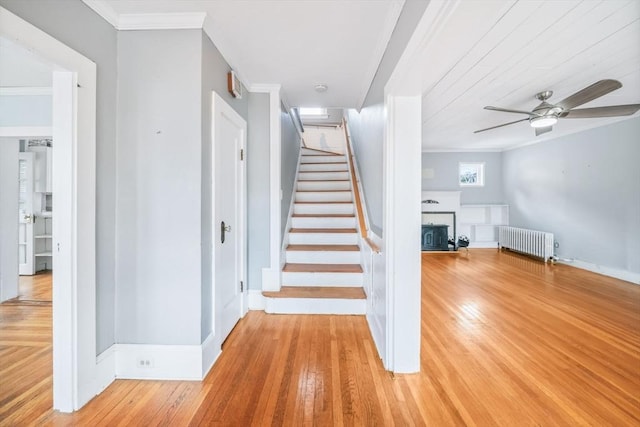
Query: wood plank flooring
[[506, 341]]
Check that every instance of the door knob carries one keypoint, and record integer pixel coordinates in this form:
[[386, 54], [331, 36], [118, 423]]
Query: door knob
[[223, 230], [28, 219]]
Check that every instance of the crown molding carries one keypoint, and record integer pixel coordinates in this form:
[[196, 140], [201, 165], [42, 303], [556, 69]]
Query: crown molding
[[25, 91], [103, 9], [161, 21], [147, 21]]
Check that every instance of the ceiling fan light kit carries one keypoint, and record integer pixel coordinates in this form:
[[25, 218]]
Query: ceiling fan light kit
[[544, 116]]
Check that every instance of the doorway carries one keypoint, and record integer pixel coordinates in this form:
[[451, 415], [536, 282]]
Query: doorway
[[73, 235]]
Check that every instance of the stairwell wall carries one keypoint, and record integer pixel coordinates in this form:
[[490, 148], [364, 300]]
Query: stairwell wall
[[290, 152]]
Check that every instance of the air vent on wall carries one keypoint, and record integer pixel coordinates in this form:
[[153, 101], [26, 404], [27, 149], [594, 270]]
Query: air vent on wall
[[234, 85]]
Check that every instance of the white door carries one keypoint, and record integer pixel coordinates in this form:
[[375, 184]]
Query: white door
[[229, 134], [25, 215]]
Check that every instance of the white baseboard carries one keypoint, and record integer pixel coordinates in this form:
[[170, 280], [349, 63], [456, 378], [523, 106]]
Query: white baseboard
[[210, 352], [315, 306], [105, 369], [256, 300], [625, 275], [159, 362]]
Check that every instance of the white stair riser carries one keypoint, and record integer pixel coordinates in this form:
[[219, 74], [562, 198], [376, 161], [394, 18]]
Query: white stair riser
[[322, 159], [323, 196], [323, 167], [323, 238], [315, 306], [323, 208], [323, 176], [323, 257], [321, 279], [320, 222], [323, 185]]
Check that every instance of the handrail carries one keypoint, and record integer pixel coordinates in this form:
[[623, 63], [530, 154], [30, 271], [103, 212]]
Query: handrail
[[356, 192]]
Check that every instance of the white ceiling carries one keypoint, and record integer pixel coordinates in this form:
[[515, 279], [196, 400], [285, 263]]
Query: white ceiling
[[21, 68], [501, 53], [297, 44]]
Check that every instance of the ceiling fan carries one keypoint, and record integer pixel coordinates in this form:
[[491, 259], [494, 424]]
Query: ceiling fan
[[544, 116]]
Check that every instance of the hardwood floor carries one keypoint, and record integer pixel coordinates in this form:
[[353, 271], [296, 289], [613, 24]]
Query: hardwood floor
[[506, 340]]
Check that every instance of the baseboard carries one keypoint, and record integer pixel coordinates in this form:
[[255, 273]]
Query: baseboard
[[256, 300], [159, 362], [316, 306], [210, 353], [105, 369], [270, 279], [625, 275]]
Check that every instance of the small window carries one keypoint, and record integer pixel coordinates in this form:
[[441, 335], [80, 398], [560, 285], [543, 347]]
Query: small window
[[471, 174], [313, 112]]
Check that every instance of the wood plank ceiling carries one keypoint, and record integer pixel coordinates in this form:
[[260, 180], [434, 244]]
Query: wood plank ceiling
[[502, 53]]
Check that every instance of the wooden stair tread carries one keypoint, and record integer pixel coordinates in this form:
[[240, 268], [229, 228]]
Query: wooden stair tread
[[323, 180], [298, 215], [346, 248], [321, 268], [317, 292], [324, 202], [323, 163], [323, 191], [323, 230]]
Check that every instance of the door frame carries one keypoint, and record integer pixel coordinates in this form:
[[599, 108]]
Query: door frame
[[218, 104], [74, 233]]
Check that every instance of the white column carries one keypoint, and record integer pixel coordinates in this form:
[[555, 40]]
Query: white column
[[402, 182]]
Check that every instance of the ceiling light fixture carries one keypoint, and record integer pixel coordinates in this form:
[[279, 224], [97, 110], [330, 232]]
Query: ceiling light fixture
[[321, 88], [543, 121]]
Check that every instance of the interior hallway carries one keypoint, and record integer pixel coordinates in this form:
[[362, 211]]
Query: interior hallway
[[506, 340]]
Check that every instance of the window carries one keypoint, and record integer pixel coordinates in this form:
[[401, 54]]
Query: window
[[316, 113], [471, 174]]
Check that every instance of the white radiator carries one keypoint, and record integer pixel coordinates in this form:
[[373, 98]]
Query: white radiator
[[530, 242]]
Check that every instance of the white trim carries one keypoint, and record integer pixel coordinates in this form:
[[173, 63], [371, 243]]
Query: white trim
[[628, 276], [74, 316], [26, 91], [256, 300], [210, 352], [105, 369], [166, 362], [105, 10], [161, 21], [25, 131], [271, 274], [336, 306], [385, 33]]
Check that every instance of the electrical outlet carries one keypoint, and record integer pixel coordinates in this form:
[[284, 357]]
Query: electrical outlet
[[144, 363]]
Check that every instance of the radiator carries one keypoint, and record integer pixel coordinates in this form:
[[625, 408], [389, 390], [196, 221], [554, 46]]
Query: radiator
[[530, 242]]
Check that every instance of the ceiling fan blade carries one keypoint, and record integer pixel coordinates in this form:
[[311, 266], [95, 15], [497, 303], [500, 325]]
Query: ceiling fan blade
[[589, 93], [509, 110], [610, 111], [540, 131], [499, 126]]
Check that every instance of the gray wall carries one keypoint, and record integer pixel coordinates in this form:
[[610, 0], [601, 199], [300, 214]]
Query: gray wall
[[258, 189], [159, 179], [25, 110], [585, 188], [367, 137], [444, 167], [214, 79], [290, 152], [76, 25], [9, 195], [411, 13]]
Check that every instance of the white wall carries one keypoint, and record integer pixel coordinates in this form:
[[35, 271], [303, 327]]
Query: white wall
[[9, 193], [159, 187], [258, 189], [584, 188]]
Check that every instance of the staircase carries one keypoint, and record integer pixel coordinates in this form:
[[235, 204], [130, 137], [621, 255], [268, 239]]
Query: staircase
[[322, 273]]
